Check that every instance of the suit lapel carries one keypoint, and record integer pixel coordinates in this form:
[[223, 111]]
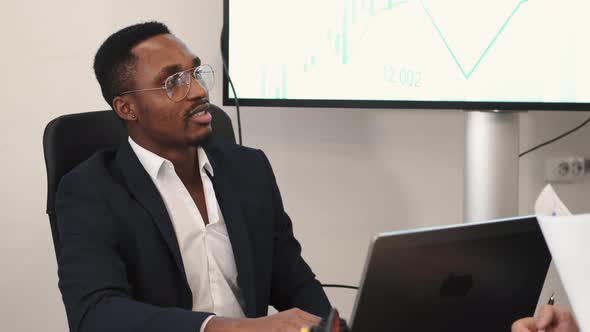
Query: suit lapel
[[143, 189], [236, 228]]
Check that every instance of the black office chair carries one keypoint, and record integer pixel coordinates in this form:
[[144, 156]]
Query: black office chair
[[70, 139]]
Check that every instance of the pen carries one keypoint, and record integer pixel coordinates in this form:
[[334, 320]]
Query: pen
[[551, 299]]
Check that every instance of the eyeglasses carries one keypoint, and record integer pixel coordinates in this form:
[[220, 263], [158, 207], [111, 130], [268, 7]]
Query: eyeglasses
[[178, 85]]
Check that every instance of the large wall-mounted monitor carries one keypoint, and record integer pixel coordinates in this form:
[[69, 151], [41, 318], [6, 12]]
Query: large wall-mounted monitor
[[465, 54]]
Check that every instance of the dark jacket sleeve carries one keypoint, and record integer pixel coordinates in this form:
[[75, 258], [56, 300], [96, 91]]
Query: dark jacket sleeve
[[293, 283], [92, 273]]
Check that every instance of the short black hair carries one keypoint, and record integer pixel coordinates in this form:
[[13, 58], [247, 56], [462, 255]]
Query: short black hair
[[114, 63]]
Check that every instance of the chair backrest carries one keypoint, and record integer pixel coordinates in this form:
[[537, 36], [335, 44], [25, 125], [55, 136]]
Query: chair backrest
[[70, 139]]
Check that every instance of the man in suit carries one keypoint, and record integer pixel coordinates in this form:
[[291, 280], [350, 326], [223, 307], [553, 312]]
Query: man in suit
[[167, 232]]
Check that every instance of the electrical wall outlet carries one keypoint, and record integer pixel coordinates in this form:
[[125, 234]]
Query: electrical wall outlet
[[569, 169]]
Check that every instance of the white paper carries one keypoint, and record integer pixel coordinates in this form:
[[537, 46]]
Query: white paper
[[568, 240], [549, 204]]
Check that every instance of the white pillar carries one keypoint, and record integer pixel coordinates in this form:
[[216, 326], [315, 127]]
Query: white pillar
[[491, 165]]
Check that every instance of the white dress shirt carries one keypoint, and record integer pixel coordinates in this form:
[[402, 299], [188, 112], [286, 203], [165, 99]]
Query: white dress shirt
[[206, 251]]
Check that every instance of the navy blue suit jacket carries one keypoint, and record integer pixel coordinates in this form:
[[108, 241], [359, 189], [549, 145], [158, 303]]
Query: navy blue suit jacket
[[120, 267]]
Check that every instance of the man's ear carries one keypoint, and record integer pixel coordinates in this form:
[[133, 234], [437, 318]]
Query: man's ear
[[124, 108]]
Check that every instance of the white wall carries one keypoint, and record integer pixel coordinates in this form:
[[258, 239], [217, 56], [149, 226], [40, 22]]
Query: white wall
[[344, 174]]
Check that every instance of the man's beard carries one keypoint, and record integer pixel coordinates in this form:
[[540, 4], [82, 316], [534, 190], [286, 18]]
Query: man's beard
[[204, 140]]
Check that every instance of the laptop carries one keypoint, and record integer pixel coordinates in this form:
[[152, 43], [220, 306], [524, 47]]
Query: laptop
[[477, 277]]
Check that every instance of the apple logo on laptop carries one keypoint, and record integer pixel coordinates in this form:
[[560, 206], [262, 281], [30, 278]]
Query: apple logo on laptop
[[456, 285]]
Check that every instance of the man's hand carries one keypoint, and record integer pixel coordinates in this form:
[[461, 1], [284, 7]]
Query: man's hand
[[287, 321], [550, 319]]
